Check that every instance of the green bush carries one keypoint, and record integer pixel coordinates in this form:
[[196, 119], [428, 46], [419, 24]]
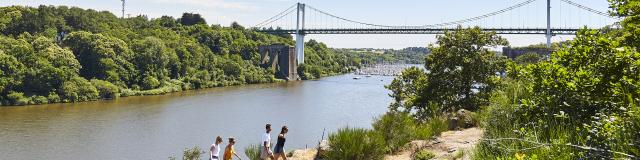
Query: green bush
[[53, 97], [397, 128], [253, 151], [528, 58], [150, 82], [106, 89], [356, 144], [190, 154], [17, 98], [79, 89], [39, 100], [423, 155], [431, 128]]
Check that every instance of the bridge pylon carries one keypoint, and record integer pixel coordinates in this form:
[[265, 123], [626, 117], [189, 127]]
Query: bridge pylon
[[548, 34], [299, 34]]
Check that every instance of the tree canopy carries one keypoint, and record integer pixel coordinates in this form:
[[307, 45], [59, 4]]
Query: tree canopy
[[52, 54]]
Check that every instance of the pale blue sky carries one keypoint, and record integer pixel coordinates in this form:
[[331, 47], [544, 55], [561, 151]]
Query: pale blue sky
[[397, 12]]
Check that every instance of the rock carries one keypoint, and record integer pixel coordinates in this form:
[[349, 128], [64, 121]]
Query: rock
[[323, 148], [465, 119], [451, 150], [453, 123]]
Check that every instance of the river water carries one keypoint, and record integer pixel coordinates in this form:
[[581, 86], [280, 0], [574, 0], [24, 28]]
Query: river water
[[157, 127]]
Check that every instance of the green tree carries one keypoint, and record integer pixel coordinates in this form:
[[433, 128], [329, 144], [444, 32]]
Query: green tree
[[9, 15], [10, 72], [236, 25], [461, 72], [189, 19], [528, 58], [630, 11], [106, 89], [102, 57], [153, 58], [78, 89]]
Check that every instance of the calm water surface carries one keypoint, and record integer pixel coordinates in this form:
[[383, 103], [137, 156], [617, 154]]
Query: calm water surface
[[156, 127]]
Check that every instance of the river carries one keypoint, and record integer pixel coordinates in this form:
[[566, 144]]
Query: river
[[157, 127]]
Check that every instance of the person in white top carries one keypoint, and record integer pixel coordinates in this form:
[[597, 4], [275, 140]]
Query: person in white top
[[266, 144], [214, 153]]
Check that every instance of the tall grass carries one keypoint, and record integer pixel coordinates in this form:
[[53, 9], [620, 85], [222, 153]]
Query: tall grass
[[431, 128], [356, 144], [253, 151], [397, 129], [512, 131]]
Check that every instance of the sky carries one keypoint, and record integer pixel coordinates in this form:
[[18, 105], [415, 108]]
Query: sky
[[386, 12]]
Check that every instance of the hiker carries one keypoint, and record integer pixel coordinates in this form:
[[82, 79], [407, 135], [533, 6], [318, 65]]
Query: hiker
[[279, 150], [215, 149], [229, 151], [266, 144]]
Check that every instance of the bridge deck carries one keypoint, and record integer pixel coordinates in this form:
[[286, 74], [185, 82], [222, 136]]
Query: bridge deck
[[554, 31]]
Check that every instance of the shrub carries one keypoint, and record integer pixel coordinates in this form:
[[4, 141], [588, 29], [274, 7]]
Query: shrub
[[528, 58], [53, 97], [431, 128], [150, 82], [106, 89], [127, 92], [17, 98], [423, 155], [307, 71], [356, 144], [78, 89], [253, 151], [397, 128], [39, 99], [190, 154]]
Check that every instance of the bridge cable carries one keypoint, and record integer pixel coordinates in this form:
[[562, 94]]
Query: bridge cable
[[283, 12], [434, 25], [588, 9], [278, 18], [344, 19], [482, 16]]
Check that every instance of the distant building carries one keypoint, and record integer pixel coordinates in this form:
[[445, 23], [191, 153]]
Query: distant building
[[515, 52]]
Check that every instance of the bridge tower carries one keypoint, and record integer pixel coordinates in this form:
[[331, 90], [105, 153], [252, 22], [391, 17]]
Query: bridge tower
[[549, 24], [299, 34]]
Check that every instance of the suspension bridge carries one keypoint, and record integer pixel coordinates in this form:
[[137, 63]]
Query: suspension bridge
[[301, 19]]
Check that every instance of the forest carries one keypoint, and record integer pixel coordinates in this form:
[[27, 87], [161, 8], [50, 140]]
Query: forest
[[53, 54]]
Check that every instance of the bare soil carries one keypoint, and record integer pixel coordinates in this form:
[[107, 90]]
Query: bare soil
[[449, 145]]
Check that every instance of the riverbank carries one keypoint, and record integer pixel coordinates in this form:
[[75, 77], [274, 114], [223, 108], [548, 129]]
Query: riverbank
[[174, 86]]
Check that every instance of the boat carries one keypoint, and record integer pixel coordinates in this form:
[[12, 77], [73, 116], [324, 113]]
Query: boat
[[356, 78], [367, 76]]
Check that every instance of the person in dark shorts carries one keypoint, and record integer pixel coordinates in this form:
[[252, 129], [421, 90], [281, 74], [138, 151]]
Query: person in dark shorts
[[279, 149]]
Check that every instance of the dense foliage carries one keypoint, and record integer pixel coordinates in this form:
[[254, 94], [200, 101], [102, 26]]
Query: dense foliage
[[410, 55], [461, 72], [584, 103], [368, 56], [66, 54], [528, 58]]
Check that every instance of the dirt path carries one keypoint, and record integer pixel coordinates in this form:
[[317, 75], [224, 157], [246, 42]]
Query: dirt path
[[450, 145]]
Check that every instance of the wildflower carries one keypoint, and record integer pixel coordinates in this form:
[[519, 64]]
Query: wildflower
[[520, 156]]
